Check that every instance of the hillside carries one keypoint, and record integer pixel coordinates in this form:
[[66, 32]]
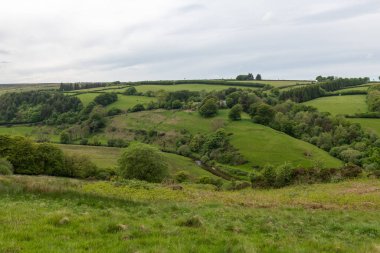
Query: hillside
[[42, 214]]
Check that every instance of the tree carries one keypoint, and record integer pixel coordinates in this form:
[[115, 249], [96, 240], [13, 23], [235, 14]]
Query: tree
[[143, 162], [209, 108], [65, 137], [235, 112], [106, 99], [258, 77], [262, 113], [250, 76], [50, 160], [131, 91]]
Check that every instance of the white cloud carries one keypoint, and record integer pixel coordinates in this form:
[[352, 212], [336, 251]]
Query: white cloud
[[106, 40]]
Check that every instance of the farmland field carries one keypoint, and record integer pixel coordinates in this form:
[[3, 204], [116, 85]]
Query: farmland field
[[127, 102], [372, 125], [346, 105], [43, 214], [190, 87], [280, 83]]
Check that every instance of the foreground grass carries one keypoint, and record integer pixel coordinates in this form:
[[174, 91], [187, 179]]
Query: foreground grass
[[346, 105], [59, 215]]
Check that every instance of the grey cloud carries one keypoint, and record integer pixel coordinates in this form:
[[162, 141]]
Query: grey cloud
[[346, 12]]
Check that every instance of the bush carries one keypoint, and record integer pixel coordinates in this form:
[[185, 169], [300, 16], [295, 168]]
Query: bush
[[6, 168], [184, 150], [80, 167], [137, 108], [50, 160], [208, 180], [65, 138], [114, 111], [284, 175], [130, 91], [235, 112], [83, 142], [119, 143], [182, 176], [106, 99], [143, 162], [209, 108]]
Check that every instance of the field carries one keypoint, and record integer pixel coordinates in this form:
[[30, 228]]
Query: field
[[26, 87], [372, 125], [190, 87], [346, 105], [280, 83], [127, 102], [259, 144], [30, 131], [106, 157], [42, 214]]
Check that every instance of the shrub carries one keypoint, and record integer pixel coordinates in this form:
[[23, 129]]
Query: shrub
[[6, 168], [50, 160], [184, 150], [106, 99], [83, 142], [79, 166], [284, 175], [65, 138], [119, 143], [208, 180], [137, 108], [235, 112], [182, 176], [209, 108], [143, 162], [130, 91], [269, 174], [114, 111]]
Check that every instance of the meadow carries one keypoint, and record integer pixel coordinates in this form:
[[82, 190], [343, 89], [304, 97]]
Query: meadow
[[372, 125], [279, 83], [345, 105], [43, 214], [107, 158], [190, 87]]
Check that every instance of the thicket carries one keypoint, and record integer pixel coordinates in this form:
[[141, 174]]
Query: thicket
[[36, 106], [324, 88], [373, 98], [31, 158], [105, 99], [286, 174]]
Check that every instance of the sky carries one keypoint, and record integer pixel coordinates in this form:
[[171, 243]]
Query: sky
[[129, 40]]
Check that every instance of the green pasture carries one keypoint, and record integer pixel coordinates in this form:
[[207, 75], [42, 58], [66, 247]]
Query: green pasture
[[345, 105]]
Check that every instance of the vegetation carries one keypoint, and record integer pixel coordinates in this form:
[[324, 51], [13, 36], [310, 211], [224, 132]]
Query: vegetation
[[106, 99], [143, 162], [110, 217]]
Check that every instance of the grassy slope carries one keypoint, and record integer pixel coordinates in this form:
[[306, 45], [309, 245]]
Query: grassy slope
[[372, 125], [29, 131], [259, 144], [340, 104], [126, 102], [41, 214], [106, 157], [190, 87], [279, 83]]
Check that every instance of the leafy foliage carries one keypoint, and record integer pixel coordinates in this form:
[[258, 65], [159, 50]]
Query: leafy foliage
[[143, 162]]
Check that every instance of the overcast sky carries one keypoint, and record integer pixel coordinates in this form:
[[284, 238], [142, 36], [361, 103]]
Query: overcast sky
[[108, 40]]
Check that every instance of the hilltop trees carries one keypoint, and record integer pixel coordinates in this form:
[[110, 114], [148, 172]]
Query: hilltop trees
[[258, 77]]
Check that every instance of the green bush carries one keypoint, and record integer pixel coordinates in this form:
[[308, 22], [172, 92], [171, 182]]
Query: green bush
[[143, 162], [79, 167], [209, 108], [6, 167], [106, 99], [184, 150], [130, 91], [65, 137], [137, 108], [182, 176], [235, 112], [208, 180]]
